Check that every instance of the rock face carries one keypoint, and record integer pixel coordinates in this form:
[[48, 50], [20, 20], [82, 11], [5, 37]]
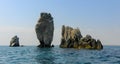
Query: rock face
[[45, 30], [72, 38], [90, 43], [14, 42]]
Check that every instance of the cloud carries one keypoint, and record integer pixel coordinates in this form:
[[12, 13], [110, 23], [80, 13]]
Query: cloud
[[108, 36], [57, 36], [27, 35]]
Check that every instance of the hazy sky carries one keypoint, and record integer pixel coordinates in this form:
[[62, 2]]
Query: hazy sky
[[99, 18]]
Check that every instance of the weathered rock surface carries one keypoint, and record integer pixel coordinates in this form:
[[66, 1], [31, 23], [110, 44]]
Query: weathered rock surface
[[90, 43], [72, 38], [14, 42], [45, 30]]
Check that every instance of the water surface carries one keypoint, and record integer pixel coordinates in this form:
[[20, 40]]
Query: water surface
[[56, 55]]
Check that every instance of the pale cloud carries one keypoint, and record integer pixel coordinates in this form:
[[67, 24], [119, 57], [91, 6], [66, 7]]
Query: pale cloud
[[108, 36], [57, 36], [28, 36], [13, 29]]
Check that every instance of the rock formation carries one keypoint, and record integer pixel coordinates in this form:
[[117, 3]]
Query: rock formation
[[45, 30], [90, 43], [14, 42], [72, 38]]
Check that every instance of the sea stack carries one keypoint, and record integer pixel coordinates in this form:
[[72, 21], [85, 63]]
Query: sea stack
[[72, 38], [45, 30], [14, 42]]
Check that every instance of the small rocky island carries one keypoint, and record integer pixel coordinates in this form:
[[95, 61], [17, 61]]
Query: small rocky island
[[14, 42], [45, 30], [72, 38]]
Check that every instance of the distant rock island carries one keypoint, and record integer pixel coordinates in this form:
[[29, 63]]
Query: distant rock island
[[45, 29], [72, 38], [14, 42]]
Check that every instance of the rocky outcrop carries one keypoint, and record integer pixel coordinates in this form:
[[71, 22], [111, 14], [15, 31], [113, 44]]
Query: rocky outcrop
[[45, 30], [90, 43], [72, 38], [14, 42]]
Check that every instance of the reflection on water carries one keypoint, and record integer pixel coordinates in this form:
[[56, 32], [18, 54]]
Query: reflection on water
[[56, 55], [45, 56]]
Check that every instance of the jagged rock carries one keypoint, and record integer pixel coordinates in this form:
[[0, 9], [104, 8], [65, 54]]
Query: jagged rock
[[45, 29], [99, 45], [72, 38], [14, 42], [90, 43]]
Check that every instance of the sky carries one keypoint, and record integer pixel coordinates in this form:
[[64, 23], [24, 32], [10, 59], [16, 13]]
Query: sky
[[98, 18]]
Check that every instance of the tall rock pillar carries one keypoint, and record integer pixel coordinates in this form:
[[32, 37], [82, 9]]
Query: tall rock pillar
[[45, 30]]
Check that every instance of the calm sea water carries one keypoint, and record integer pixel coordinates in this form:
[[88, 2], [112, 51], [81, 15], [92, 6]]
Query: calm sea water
[[56, 55]]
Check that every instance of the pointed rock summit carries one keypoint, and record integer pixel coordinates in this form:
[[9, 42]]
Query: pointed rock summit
[[45, 30], [14, 42]]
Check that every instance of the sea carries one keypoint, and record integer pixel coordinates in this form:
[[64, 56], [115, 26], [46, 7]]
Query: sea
[[56, 55]]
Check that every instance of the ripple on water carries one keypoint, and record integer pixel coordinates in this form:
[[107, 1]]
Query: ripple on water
[[34, 55]]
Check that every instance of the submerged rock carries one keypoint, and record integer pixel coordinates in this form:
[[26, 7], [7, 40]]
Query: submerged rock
[[14, 42], [72, 38], [45, 30]]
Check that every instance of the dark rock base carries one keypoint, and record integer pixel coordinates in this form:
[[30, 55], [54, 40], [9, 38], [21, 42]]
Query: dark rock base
[[45, 46]]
